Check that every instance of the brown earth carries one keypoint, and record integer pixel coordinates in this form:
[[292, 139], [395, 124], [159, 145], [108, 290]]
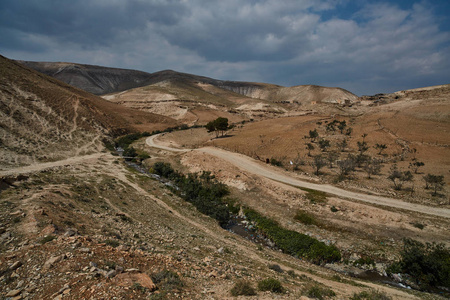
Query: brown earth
[[43, 119], [79, 224]]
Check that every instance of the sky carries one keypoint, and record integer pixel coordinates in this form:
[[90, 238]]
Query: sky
[[364, 46]]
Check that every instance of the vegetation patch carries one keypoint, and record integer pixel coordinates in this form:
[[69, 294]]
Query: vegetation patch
[[275, 268], [305, 218], [202, 190], [293, 242], [242, 288], [428, 265], [372, 295], [318, 292], [167, 280], [271, 285], [276, 162], [315, 196], [418, 225]]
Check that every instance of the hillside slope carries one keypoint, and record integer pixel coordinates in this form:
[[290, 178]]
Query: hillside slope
[[43, 119], [93, 79]]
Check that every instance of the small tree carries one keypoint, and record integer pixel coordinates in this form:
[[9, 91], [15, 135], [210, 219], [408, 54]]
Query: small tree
[[427, 179], [436, 182], [362, 147], [313, 135], [341, 126], [309, 147], [415, 165], [324, 144], [332, 157], [342, 145], [398, 177], [318, 163], [372, 167], [331, 126], [380, 147], [346, 165], [210, 126], [349, 131], [221, 124]]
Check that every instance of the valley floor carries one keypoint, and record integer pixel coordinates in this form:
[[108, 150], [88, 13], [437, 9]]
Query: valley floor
[[91, 227]]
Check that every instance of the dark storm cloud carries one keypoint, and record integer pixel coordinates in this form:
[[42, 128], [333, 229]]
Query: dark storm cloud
[[85, 22], [365, 48]]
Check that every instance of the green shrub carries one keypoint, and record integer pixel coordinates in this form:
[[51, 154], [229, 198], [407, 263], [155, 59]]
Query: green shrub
[[233, 205], [305, 218], [270, 284], [372, 295], [427, 265], [418, 225], [242, 288], [275, 267], [317, 292], [163, 169], [364, 261], [292, 273], [202, 190], [293, 242], [275, 162], [167, 280], [315, 196], [130, 152]]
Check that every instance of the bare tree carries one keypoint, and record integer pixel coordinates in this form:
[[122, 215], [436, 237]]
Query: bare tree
[[346, 165], [380, 147], [318, 163], [372, 167], [399, 177], [415, 165], [332, 157], [309, 147], [342, 145]]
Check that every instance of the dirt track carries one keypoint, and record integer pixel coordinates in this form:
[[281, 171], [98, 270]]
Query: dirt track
[[43, 166], [255, 167]]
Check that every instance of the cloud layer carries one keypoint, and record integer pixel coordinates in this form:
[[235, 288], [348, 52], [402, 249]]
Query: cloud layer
[[365, 48]]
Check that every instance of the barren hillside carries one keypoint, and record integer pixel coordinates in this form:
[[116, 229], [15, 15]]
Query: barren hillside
[[93, 79], [197, 99], [44, 119]]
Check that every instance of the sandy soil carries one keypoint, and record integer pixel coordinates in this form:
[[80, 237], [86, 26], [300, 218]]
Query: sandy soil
[[260, 169]]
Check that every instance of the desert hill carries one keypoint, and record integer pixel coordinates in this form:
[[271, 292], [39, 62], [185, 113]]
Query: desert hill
[[195, 99], [93, 79], [44, 119]]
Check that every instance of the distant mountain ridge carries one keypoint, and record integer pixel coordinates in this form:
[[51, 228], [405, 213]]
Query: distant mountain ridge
[[93, 79], [103, 80]]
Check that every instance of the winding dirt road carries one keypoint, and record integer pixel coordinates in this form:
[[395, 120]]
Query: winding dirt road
[[250, 165]]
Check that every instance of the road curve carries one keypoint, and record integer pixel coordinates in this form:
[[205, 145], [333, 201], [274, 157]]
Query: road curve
[[253, 166]]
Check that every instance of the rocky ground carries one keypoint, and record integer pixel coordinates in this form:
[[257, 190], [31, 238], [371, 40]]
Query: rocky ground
[[103, 231]]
